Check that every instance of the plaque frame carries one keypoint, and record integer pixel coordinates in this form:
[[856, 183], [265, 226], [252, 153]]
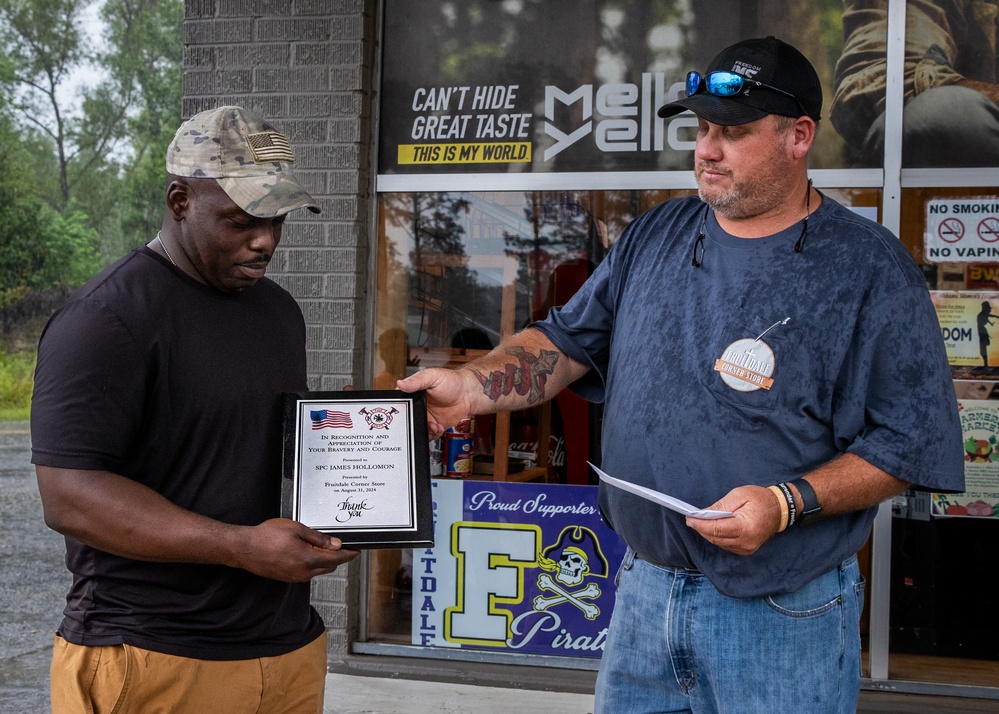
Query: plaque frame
[[333, 466]]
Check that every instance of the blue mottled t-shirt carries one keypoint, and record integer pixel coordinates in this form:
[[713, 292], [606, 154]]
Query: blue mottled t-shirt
[[852, 355]]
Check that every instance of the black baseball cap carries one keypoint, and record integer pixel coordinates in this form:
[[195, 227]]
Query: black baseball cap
[[767, 60]]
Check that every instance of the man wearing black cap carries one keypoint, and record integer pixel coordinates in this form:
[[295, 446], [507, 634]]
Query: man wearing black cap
[[760, 351], [156, 438]]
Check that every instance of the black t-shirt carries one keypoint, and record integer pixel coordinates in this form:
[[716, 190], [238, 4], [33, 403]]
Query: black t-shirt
[[151, 375]]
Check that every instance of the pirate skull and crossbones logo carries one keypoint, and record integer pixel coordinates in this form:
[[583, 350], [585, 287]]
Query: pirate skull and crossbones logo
[[577, 560]]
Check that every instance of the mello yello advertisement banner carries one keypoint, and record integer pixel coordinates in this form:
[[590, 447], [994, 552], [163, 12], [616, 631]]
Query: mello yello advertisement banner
[[516, 567], [565, 86]]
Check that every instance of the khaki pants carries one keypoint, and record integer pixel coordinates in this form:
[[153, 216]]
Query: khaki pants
[[122, 679]]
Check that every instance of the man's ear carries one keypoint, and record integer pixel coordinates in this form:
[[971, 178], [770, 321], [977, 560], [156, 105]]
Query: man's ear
[[178, 199], [803, 131]]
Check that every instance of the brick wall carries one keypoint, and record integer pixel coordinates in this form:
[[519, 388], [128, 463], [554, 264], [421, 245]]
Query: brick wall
[[306, 65]]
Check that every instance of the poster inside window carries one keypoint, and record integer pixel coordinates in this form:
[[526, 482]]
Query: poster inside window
[[570, 85], [949, 74], [573, 86], [980, 424], [457, 272]]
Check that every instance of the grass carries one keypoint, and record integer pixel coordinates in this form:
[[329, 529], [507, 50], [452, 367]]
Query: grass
[[16, 379], [18, 353]]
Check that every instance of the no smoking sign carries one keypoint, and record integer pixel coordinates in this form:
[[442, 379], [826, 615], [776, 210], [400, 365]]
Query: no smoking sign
[[988, 230], [951, 230], [962, 230]]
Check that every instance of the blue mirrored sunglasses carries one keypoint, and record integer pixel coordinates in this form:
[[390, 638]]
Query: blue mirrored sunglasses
[[728, 84]]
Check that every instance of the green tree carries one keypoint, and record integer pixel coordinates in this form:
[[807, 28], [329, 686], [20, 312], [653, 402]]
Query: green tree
[[146, 54], [19, 206], [41, 39], [39, 247], [68, 177], [143, 61], [102, 163]]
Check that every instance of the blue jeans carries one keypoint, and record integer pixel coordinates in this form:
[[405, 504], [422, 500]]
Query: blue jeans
[[678, 645]]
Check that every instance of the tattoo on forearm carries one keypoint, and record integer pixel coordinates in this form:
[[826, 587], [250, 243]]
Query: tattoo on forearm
[[528, 377]]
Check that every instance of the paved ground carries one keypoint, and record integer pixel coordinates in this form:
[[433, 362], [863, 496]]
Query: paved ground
[[33, 580], [347, 694]]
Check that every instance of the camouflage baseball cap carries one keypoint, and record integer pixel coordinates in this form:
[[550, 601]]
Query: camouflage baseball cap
[[248, 157]]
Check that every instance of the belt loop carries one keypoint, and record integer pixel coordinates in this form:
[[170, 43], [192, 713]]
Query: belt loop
[[629, 558]]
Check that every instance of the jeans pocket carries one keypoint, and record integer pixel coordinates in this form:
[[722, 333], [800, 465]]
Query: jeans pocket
[[814, 598]]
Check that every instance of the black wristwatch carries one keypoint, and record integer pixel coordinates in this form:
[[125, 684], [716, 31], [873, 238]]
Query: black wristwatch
[[810, 509]]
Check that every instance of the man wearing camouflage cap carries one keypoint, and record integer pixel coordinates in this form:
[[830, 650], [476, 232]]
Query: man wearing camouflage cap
[[156, 437]]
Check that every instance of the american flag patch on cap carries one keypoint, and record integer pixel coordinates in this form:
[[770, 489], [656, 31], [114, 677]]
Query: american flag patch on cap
[[270, 146]]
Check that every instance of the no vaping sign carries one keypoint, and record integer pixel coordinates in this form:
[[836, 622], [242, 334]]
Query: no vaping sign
[[962, 230]]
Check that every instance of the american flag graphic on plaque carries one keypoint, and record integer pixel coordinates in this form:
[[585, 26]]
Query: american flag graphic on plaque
[[329, 419]]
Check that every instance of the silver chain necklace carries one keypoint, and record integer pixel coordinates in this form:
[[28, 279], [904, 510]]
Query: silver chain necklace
[[163, 246]]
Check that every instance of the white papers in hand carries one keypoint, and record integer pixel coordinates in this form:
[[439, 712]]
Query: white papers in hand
[[674, 504]]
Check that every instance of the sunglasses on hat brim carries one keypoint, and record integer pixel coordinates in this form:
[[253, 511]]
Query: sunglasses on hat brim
[[729, 84]]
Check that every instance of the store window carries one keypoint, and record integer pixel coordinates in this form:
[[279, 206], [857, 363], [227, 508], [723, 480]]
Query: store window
[[941, 624], [503, 93], [457, 273]]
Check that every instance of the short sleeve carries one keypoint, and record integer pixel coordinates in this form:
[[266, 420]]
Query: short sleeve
[[897, 397], [89, 385]]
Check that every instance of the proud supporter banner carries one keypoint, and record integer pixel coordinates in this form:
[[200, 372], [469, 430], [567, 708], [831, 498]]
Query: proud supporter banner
[[516, 567]]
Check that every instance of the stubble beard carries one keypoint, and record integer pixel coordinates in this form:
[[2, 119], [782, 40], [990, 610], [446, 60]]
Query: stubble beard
[[762, 191], [745, 199]]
